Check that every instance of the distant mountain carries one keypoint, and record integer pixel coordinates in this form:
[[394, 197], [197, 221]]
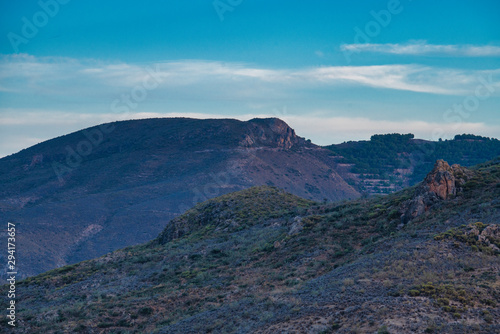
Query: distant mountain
[[82, 195], [387, 163], [423, 260]]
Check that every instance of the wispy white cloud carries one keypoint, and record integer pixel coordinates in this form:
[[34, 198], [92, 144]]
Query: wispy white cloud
[[413, 78], [319, 53], [418, 48], [217, 80], [209, 89]]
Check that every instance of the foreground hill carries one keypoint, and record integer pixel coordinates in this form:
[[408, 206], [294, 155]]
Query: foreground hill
[[423, 260], [88, 193], [387, 163]]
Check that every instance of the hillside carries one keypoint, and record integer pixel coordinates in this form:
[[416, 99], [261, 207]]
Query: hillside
[[387, 163], [423, 260], [82, 195]]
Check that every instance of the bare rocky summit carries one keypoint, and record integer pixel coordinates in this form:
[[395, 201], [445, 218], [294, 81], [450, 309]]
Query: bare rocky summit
[[271, 132]]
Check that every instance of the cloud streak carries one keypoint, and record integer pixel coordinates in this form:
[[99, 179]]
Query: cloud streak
[[217, 80], [422, 48], [48, 97]]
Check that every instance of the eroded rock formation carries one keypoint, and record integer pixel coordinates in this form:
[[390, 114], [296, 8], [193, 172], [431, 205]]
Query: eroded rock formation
[[442, 183], [272, 132]]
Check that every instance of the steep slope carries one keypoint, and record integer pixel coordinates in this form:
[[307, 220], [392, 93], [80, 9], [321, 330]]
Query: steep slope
[[264, 261], [387, 163], [85, 194]]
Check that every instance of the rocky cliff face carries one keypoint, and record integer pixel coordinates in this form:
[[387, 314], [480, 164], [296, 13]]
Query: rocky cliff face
[[442, 183], [285, 135], [271, 132], [445, 181]]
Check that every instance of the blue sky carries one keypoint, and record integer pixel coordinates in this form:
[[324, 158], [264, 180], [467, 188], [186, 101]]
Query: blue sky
[[334, 70]]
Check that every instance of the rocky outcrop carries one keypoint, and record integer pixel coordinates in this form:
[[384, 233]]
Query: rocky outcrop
[[442, 183], [297, 226], [271, 132], [286, 136], [489, 235], [446, 181]]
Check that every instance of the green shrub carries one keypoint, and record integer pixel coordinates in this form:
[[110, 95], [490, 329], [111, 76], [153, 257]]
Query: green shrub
[[383, 330], [145, 311]]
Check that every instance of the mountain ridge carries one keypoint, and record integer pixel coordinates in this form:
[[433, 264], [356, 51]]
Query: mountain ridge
[[147, 171], [288, 264], [82, 195]]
